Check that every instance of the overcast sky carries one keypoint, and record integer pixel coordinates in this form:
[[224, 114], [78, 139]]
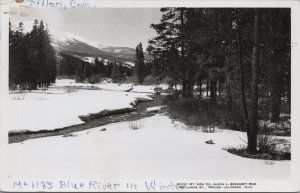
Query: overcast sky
[[108, 26]]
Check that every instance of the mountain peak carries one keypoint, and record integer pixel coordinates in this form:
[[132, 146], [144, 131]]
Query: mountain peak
[[70, 42]]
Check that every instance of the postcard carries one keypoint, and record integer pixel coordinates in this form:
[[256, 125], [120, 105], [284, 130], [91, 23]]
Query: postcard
[[151, 96]]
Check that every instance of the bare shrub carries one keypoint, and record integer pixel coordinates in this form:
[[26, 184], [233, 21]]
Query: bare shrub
[[95, 78], [131, 79], [196, 112], [70, 89], [209, 129], [20, 95], [158, 90], [134, 125], [150, 80], [282, 128], [265, 142], [269, 162]]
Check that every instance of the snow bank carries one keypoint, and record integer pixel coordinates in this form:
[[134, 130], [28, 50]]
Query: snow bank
[[61, 105], [115, 86], [160, 149], [155, 109], [71, 83], [104, 86], [131, 87], [148, 88], [51, 110], [112, 86]]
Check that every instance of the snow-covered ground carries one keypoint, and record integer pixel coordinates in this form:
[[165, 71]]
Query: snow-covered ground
[[60, 106], [153, 148], [159, 149], [112, 86]]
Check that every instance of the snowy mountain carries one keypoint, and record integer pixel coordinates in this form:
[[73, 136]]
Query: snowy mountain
[[76, 45]]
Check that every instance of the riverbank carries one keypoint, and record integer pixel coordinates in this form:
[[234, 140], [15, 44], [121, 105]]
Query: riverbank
[[92, 121]]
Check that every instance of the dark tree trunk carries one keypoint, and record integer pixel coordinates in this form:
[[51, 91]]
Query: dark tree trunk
[[187, 88], [213, 92], [289, 82], [242, 74], [276, 73], [184, 88], [228, 99], [220, 88], [275, 106], [207, 86], [252, 130], [289, 88], [228, 94], [200, 88], [276, 92], [191, 88]]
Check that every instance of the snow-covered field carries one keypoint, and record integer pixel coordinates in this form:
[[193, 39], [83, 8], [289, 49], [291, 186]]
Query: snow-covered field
[[60, 106], [155, 148], [159, 149]]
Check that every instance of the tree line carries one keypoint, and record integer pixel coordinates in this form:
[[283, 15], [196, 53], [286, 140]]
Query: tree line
[[239, 55], [75, 67], [34, 64], [32, 60]]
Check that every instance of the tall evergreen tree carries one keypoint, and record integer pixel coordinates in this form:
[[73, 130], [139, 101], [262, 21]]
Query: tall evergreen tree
[[32, 58], [253, 116], [139, 63], [116, 73], [173, 35]]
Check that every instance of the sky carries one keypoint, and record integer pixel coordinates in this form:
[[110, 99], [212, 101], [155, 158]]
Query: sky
[[124, 27]]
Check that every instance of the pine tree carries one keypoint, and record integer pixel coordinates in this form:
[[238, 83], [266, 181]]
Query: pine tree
[[99, 66], [175, 34], [116, 74], [20, 58], [49, 59], [139, 64], [32, 58], [253, 115], [12, 58]]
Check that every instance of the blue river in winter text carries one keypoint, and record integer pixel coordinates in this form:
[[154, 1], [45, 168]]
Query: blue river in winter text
[[67, 185]]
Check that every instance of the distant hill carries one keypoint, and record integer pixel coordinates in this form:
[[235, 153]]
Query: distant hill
[[75, 45]]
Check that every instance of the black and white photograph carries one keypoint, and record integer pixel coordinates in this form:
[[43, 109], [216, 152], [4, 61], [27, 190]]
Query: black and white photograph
[[170, 98]]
